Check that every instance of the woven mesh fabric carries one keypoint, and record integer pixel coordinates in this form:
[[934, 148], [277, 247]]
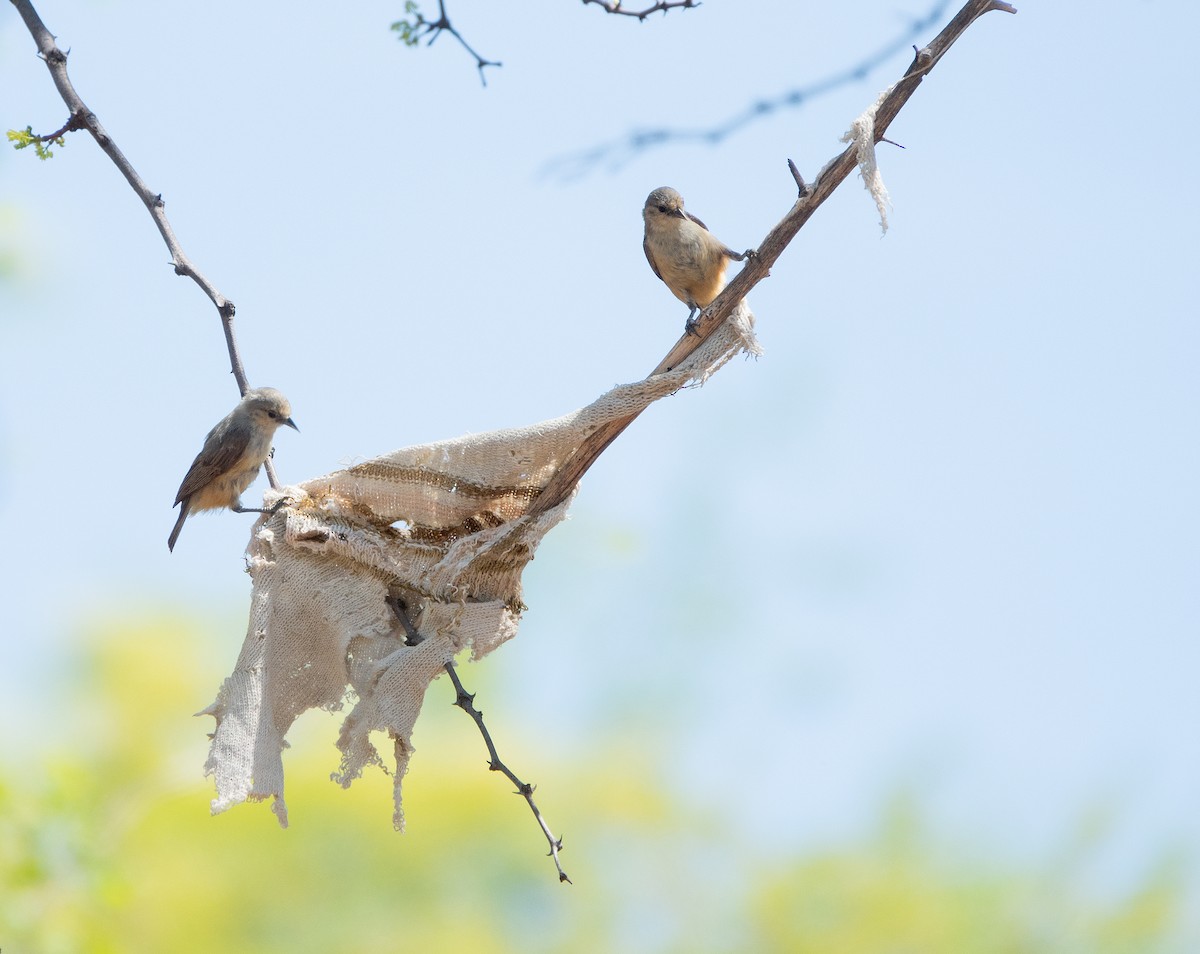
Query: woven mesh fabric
[[445, 528]]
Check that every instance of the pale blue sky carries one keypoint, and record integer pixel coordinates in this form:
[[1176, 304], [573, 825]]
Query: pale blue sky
[[944, 534]]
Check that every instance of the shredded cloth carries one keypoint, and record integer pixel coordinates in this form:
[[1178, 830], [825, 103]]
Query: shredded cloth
[[862, 134], [443, 527]]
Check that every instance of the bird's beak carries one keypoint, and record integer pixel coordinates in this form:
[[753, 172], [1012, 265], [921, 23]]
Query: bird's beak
[[679, 213], [292, 424]]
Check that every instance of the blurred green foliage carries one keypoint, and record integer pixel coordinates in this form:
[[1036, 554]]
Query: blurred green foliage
[[106, 845]]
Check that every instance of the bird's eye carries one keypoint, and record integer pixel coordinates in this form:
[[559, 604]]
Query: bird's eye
[[272, 415], [663, 209]]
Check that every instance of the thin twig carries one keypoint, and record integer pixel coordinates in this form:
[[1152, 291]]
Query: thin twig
[[618, 152], [73, 123], [412, 32], [420, 28], [465, 701], [614, 7], [759, 265], [84, 118]]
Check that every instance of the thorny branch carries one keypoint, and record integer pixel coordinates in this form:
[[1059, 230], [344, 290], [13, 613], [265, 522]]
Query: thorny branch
[[618, 152], [465, 701], [412, 32], [614, 7], [84, 118], [759, 264]]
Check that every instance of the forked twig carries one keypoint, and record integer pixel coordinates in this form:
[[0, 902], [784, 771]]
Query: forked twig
[[413, 32], [419, 28], [614, 7], [466, 701]]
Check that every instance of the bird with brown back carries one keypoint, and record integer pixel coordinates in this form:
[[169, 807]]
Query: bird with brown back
[[233, 452], [689, 259]]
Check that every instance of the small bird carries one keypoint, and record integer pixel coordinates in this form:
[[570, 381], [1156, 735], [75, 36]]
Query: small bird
[[684, 253], [233, 452]]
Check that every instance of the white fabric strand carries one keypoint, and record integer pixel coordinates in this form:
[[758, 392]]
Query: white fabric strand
[[862, 134]]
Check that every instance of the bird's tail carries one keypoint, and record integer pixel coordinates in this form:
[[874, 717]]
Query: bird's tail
[[183, 512]]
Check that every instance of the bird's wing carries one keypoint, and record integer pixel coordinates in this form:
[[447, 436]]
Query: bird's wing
[[218, 456], [725, 250], [650, 259]]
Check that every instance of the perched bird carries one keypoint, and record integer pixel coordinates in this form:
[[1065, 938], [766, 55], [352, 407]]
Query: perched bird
[[233, 452], [684, 253]]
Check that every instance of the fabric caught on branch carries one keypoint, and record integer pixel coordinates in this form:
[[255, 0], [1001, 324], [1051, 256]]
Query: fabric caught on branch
[[862, 134], [445, 528]]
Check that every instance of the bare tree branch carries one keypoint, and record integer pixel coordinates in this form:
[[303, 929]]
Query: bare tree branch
[[618, 152], [84, 118], [412, 32], [614, 7], [75, 122], [465, 701], [418, 28], [759, 264]]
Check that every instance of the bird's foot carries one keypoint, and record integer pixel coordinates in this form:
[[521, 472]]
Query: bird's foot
[[278, 505]]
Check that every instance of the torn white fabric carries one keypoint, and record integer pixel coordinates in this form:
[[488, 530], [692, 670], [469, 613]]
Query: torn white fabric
[[862, 134], [445, 528]]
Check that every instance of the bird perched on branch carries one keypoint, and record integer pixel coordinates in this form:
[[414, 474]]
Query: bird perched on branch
[[684, 253], [233, 452]]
